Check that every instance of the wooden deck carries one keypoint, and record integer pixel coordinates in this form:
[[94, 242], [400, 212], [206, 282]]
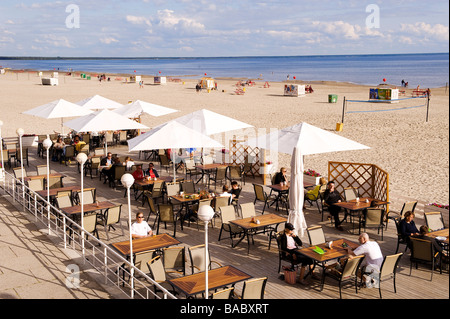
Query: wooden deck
[[261, 261]]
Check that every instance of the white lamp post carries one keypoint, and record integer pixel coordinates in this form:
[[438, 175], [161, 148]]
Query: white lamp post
[[47, 143], [127, 181], [206, 213], [82, 158], [20, 133]]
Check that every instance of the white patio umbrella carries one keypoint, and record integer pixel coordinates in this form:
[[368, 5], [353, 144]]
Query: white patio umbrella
[[138, 107], [98, 102], [299, 140], [209, 123], [103, 120], [58, 109], [171, 135]]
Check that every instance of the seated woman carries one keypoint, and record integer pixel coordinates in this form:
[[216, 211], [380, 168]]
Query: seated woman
[[58, 149], [408, 227], [313, 194], [128, 163], [290, 243]]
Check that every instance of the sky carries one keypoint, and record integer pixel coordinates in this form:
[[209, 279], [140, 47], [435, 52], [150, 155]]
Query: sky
[[199, 28]]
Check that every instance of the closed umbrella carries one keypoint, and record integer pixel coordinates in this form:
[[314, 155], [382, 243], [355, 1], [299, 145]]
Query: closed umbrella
[[299, 140]]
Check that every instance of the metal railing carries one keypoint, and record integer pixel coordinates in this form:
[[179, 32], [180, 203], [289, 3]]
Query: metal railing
[[114, 268]]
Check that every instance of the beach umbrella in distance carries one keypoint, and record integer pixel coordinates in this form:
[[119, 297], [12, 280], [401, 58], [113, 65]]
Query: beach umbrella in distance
[[299, 140], [98, 102], [171, 135], [137, 108], [58, 109], [103, 120]]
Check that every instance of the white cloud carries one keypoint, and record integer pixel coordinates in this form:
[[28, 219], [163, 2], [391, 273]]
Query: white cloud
[[138, 20], [338, 29], [425, 30], [54, 40], [108, 40]]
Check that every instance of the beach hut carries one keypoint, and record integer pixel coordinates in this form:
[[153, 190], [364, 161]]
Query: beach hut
[[161, 80], [387, 95], [207, 83], [294, 90], [135, 79]]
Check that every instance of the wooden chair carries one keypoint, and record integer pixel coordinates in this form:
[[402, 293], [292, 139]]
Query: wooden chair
[[316, 235], [174, 260], [68, 155], [236, 173], [260, 195], [349, 273], [197, 258], [434, 220], [400, 239], [158, 274], [223, 294], [36, 184], [219, 176], [166, 215], [283, 255], [407, 206], [227, 214], [41, 169], [373, 218], [254, 288], [93, 165], [422, 251], [388, 270]]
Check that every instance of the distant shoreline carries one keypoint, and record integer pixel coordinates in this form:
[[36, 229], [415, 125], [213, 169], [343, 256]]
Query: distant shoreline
[[199, 57]]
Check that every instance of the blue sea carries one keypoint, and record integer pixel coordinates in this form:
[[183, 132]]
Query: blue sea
[[426, 70]]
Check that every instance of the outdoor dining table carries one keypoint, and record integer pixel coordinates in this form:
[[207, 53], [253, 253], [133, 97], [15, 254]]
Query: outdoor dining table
[[54, 191], [283, 189], [145, 244], [207, 168], [250, 226], [192, 285], [336, 251], [75, 210], [184, 201], [358, 206]]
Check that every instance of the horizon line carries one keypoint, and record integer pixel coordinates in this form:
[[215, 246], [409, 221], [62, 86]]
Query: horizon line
[[198, 57]]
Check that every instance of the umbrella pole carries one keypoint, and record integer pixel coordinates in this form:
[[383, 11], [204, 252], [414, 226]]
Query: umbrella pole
[[174, 163]]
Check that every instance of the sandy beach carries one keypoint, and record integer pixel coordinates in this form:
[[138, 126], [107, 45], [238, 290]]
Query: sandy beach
[[414, 152]]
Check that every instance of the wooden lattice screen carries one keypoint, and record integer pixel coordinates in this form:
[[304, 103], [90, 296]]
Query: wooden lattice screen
[[370, 180], [238, 153]]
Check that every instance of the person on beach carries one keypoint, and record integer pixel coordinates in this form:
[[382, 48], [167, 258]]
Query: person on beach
[[332, 196], [140, 228]]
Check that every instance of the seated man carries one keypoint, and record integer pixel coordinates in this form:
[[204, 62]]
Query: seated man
[[373, 258], [280, 176], [138, 174], [290, 243], [107, 161], [151, 171], [332, 196]]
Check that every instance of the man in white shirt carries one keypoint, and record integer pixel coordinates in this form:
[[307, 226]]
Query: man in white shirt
[[373, 258], [140, 229]]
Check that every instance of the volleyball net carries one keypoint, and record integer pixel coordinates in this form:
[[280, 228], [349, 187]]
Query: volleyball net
[[424, 102]]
